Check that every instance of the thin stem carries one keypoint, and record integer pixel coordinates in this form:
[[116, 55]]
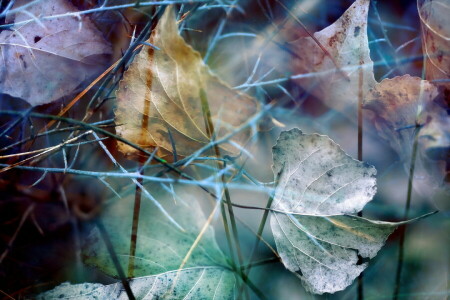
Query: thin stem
[[250, 284], [261, 262], [360, 155], [96, 10], [135, 175], [211, 134], [401, 249], [102, 131], [135, 225], [112, 253], [262, 224], [13, 238]]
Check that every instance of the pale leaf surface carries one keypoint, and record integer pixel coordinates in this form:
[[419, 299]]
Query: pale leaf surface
[[347, 42], [318, 185], [318, 177], [47, 60], [194, 283]]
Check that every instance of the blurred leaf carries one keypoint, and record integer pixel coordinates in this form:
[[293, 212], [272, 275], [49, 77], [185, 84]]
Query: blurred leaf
[[395, 106], [347, 43], [162, 92], [160, 250], [436, 40], [318, 185], [193, 283], [161, 246], [45, 60]]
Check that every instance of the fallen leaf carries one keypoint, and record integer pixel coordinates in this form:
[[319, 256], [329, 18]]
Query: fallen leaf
[[45, 60], [193, 283], [436, 40], [162, 92], [160, 250], [161, 246], [337, 85], [319, 184], [434, 137], [395, 106]]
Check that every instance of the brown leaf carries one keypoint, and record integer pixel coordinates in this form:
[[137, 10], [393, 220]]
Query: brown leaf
[[395, 106], [45, 60], [436, 40], [346, 41], [161, 95]]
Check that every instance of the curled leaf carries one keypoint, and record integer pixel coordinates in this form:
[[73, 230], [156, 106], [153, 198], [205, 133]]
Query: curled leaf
[[43, 61], [319, 184], [166, 93], [338, 82]]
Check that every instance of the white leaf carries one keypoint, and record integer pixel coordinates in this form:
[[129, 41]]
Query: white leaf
[[318, 185], [193, 283], [346, 41], [318, 177]]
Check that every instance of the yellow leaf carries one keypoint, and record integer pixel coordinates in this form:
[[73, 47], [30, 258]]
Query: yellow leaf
[[159, 101]]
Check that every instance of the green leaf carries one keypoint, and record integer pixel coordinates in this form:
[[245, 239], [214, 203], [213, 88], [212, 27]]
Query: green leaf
[[319, 185], [193, 283], [161, 246]]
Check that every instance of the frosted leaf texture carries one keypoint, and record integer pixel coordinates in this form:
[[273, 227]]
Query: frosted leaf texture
[[318, 185], [194, 283]]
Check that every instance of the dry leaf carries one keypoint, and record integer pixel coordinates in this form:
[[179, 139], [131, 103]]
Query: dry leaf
[[346, 41], [161, 245], [160, 249], [318, 185], [161, 95], [193, 283], [395, 105], [43, 61], [436, 40], [434, 137]]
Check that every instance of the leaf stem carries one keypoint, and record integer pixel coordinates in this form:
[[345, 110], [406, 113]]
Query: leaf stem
[[211, 134], [262, 224], [401, 249], [360, 154], [135, 226], [112, 253]]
